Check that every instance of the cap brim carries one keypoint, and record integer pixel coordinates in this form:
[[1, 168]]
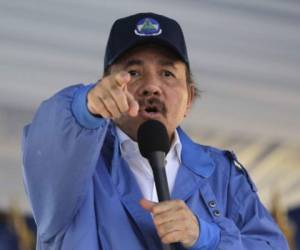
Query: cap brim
[[148, 40]]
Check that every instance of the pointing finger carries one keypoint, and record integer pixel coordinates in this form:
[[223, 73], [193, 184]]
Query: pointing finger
[[122, 78], [133, 105]]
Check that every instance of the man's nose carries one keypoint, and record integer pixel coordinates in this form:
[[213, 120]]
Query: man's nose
[[151, 86]]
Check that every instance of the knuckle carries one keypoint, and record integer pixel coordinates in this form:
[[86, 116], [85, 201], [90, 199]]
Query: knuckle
[[155, 210], [156, 222], [104, 96], [92, 108], [106, 85], [108, 101], [91, 96], [105, 114], [182, 214], [102, 111], [165, 240], [118, 79], [180, 203], [114, 86], [160, 231], [170, 238]]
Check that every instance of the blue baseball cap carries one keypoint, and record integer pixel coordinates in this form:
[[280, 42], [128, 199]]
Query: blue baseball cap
[[142, 28]]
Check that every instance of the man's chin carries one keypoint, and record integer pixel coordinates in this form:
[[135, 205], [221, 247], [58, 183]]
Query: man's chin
[[131, 124]]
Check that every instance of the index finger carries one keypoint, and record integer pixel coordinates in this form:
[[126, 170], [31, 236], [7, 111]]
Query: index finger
[[164, 206], [122, 78]]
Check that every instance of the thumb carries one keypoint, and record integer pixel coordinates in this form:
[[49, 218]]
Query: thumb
[[132, 104], [148, 205]]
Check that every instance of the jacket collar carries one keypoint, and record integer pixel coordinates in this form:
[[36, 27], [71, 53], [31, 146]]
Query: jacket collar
[[130, 193], [197, 164], [195, 156]]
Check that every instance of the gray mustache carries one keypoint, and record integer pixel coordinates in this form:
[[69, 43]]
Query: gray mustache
[[154, 102]]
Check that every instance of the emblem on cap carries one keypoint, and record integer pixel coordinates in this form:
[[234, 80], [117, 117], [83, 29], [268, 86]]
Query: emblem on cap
[[147, 27]]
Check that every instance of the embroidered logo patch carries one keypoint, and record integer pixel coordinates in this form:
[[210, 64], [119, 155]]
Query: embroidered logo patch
[[148, 27]]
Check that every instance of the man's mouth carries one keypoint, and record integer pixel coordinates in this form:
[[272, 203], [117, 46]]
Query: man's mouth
[[152, 108]]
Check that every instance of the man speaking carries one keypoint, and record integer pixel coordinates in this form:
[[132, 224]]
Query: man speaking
[[90, 187]]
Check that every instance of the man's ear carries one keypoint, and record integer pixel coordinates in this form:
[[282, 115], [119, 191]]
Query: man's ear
[[191, 95]]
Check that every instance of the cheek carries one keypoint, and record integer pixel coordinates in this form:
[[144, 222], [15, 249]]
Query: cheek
[[179, 106]]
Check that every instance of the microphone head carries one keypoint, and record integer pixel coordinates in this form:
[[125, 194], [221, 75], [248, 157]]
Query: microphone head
[[153, 136]]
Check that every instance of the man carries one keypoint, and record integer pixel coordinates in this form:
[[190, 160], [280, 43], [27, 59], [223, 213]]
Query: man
[[88, 184]]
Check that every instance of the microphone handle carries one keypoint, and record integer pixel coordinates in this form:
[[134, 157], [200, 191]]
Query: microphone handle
[[157, 163]]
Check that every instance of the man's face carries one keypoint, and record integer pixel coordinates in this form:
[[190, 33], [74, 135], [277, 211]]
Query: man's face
[[158, 83]]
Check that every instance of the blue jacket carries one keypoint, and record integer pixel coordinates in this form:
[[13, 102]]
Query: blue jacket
[[84, 196]]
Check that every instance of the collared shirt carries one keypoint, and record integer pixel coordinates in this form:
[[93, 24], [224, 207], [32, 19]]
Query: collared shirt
[[141, 167]]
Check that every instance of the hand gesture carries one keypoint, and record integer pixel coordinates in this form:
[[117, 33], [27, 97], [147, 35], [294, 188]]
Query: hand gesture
[[110, 97]]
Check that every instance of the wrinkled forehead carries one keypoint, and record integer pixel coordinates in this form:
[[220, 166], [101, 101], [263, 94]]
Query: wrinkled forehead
[[162, 54]]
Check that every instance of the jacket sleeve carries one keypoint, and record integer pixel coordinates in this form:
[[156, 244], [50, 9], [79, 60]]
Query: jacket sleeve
[[247, 225], [59, 159]]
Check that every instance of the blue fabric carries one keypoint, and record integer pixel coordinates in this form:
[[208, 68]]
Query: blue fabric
[[84, 196], [80, 110], [209, 232], [209, 236]]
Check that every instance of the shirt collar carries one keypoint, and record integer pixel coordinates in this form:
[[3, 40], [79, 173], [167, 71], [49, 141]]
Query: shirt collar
[[130, 147]]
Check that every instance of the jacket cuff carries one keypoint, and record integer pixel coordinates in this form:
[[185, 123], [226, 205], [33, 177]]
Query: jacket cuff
[[209, 236], [80, 109]]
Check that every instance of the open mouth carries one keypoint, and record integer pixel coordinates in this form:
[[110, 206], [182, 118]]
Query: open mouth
[[151, 110]]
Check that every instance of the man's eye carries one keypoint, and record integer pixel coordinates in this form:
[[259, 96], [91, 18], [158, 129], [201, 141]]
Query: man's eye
[[167, 73], [133, 73]]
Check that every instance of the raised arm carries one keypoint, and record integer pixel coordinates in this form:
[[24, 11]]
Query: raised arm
[[59, 158], [62, 145]]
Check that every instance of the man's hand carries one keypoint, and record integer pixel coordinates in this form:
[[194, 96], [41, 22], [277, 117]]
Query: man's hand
[[174, 221], [110, 98]]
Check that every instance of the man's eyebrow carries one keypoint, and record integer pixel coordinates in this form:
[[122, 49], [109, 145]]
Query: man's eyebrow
[[132, 62], [139, 62], [167, 63]]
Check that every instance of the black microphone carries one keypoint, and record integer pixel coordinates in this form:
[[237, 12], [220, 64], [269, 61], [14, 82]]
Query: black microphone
[[154, 144]]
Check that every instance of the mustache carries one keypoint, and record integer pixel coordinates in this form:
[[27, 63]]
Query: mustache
[[153, 102]]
